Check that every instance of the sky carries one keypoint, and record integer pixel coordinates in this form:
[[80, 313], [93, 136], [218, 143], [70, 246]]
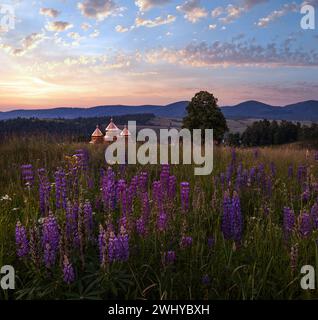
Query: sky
[[83, 53]]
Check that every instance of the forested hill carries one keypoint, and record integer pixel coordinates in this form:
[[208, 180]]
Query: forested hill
[[81, 128]]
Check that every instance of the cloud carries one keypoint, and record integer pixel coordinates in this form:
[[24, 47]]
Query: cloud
[[85, 26], [253, 3], [236, 53], [212, 26], [140, 22], [232, 13], [95, 34], [145, 5], [26, 44], [49, 12], [121, 29], [192, 10], [99, 9], [74, 35], [58, 26], [276, 14], [217, 12]]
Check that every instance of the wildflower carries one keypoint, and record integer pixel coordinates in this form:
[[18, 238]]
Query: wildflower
[[211, 242], [186, 241], [185, 192], [305, 224], [21, 240], [206, 280], [124, 244], [288, 223], [50, 240], [88, 218], [232, 222], [5, 198], [294, 258], [226, 224], [169, 257], [314, 215], [27, 174], [102, 245], [172, 187], [164, 177], [290, 172], [68, 271], [44, 191], [60, 189], [162, 220]]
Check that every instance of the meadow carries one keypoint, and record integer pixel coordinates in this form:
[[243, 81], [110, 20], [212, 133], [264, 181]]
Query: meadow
[[75, 228]]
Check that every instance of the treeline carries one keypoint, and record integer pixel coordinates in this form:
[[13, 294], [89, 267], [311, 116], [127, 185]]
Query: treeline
[[264, 133], [79, 129]]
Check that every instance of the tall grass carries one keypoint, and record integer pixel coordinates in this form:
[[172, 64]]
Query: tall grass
[[260, 268]]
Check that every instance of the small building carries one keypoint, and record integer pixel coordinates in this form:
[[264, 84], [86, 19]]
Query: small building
[[125, 133], [97, 136], [112, 132]]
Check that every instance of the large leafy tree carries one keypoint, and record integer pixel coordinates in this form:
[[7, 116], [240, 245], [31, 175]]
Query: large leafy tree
[[203, 113]]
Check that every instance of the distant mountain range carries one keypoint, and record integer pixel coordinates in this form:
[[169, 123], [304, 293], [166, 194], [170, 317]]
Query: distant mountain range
[[302, 111]]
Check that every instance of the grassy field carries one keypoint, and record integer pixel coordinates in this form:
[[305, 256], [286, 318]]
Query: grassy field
[[135, 232]]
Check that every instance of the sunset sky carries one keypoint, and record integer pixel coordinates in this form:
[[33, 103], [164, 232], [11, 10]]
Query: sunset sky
[[97, 52]]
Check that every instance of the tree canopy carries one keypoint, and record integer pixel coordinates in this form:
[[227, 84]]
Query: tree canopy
[[203, 113]]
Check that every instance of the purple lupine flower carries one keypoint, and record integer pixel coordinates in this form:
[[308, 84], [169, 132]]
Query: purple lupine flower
[[162, 221], [83, 158], [222, 178], [124, 244], [305, 224], [301, 173], [169, 257], [140, 226], [109, 189], [60, 189], [113, 247], [172, 190], [164, 177], [233, 154], [88, 218], [226, 224], [102, 245], [50, 240], [237, 220], [290, 172], [314, 215], [256, 153], [72, 223], [306, 194], [68, 271], [143, 181], [157, 193], [186, 241], [294, 258], [211, 242], [44, 191], [232, 221], [288, 223], [205, 280], [316, 156], [185, 192], [27, 175], [229, 173], [21, 240], [122, 195]]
